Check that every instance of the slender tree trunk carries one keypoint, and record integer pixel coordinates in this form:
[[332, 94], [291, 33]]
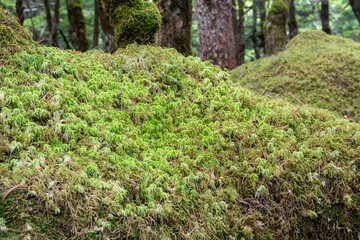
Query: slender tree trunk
[[253, 30], [65, 40], [324, 15], [20, 11], [262, 10], [48, 15], [175, 31], [355, 5], [96, 24], [216, 33], [292, 23], [77, 30], [241, 53], [54, 29], [108, 34]]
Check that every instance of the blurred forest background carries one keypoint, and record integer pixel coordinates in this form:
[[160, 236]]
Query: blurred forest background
[[239, 30]]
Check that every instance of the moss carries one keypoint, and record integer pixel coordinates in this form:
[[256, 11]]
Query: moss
[[315, 68], [13, 38], [275, 27], [133, 21], [182, 152]]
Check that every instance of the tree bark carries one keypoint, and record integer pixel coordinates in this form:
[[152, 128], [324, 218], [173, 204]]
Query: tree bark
[[253, 30], [96, 24], [292, 23], [262, 10], [216, 33], [108, 34], [175, 31], [54, 29], [77, 30], [324, 15], [355, 5], [242, 42], [48, 15], [20, 11]]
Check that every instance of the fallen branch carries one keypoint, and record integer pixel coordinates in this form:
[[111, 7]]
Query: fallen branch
[[13, 189], [296, 99]]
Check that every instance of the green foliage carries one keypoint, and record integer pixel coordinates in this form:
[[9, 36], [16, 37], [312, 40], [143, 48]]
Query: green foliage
[[135, 21], [315, 68], [190, 155]]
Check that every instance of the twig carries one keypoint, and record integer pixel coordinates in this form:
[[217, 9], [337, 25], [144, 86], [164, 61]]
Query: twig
[[296, 99], [241, 75], [13, 189], [120, 99]]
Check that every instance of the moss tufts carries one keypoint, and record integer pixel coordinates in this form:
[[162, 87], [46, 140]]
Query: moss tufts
[[133, 21]]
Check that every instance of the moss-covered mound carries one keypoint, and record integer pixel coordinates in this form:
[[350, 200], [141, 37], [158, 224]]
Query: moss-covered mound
[[315, 69], [148, 144], [13, 38]]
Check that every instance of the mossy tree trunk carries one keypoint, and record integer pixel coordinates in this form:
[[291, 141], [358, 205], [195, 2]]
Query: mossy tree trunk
[[324, 15], [175, 31], [262, 12], [355, 5], [77, 30], [108, 33], [134, 21], [292, 23], [275, 27], [254, 36], [20, 11], [96, 24], [216, 32]]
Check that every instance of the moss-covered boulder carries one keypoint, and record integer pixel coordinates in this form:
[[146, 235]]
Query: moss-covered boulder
[[275, 27], [148, 144], [315, 69], [134, 21]]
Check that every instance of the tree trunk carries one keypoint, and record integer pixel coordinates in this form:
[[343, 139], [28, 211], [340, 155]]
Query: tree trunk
[[324, 15], [54, 29], [275, 27], [48, 15], [216, 33], [77, 30], [240, 34], [20, 11], [96, 24], [108, 34], [262, 10], [355, 5], [293, 28], [175, 31], [254, 32]]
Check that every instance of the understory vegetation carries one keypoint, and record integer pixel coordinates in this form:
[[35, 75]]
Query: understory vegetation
[[148, 144], [315, 68]]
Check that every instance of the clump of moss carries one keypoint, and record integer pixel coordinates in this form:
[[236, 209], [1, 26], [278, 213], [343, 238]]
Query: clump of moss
[[135, 21], [13, 38], [315, 69], [275, 27], [148, 144]]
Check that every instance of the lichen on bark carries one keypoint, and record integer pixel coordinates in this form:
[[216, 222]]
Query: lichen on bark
[[275, 27], [134, 21]]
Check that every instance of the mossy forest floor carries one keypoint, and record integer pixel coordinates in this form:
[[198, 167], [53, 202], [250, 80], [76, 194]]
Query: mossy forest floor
[[148, 144]]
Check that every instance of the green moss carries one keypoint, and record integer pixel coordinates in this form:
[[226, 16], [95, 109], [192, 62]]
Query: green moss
[[315, 68], [182, 152], [275, 27], [133, 21]]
